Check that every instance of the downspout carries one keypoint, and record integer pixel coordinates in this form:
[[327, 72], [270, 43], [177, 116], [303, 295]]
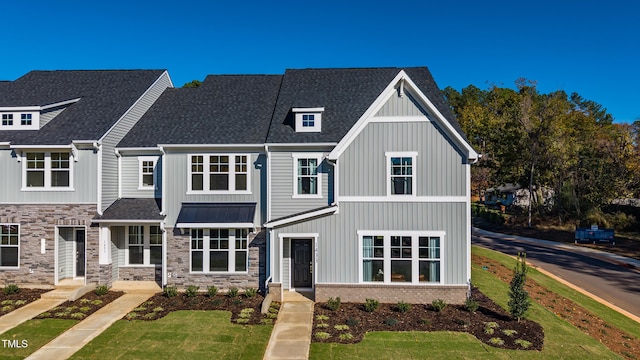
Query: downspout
[[269, 256], [97, 147], [119, 157], [163, 178], [164, 254], [163, 213], [336, 201]]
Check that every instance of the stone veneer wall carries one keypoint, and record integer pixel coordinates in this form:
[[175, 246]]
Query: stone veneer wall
[[141, 273], [39, 222], [178, 264], [391, 293]]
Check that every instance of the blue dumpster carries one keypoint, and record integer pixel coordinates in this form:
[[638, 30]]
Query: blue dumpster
[[595, 235]]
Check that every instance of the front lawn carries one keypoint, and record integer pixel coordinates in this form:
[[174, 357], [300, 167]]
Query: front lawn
[[180, 335], [36, 333], [562, 340]]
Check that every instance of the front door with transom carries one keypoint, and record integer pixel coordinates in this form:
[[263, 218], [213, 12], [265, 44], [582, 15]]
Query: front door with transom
[[302, 268]]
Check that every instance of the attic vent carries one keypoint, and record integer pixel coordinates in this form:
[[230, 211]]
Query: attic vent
[[308, 119]]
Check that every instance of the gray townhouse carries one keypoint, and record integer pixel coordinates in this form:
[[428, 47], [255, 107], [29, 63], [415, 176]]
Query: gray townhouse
[[345, 182], [58, 132]]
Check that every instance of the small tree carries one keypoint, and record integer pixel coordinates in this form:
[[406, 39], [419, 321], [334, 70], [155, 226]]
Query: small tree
[[518, 297]]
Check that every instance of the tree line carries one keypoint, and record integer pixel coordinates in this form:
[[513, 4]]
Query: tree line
[[549, 141]]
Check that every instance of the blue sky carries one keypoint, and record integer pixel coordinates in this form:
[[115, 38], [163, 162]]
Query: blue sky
[[584, 46]]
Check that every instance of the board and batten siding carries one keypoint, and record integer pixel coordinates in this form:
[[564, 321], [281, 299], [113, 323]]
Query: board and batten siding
[[85, 172], [401, 106], [282, 185], [439, 169], [130, 178], [338, 251], [176, 177], [117, 132]]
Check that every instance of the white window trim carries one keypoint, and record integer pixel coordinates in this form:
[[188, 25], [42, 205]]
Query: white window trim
[[141, 160], [19, 242], [206, 174], [47, 171], [414, 173], [414, 259], [231, 253], [296, 156], [17, 120], [317, 122], [146, 243]]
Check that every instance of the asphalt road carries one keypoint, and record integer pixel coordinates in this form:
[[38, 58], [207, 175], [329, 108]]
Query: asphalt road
[[613, 283]]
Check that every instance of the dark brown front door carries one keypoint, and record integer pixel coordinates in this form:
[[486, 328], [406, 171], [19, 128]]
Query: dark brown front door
[[302, 263], [80, 240]]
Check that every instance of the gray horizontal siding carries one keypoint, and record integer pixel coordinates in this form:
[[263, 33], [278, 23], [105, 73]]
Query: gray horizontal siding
[[177, 165], [85, 175], [49, 114], [440, 168], [130, 178], [282, 182], [109, 160], [338, 240]]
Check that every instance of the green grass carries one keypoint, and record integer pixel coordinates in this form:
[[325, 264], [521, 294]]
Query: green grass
[[611, 316], [180, 335], [562, 340], [36, 332]]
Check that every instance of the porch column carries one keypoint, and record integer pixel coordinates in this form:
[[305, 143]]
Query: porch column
[[104, 254]]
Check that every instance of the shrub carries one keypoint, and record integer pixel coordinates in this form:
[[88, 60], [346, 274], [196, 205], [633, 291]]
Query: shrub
[[78, 315], [518, 297], [322, 325], [523, 343], [158, 309], [149, 316], [212, 291], [6, 302], [341, 327], [346, 336], [390, 321], [242, 321], [351, 321], [131, 315], [140, 308], [496, 341], [438, 305], [426, 322], [246, 313], [7, 308], [509, 332], [192, 291], [11, 289], [403, 307], [101, 290], [170, 291], [96, 302], [233, 292], [216, 302], [321, 335], [471, 305], [236, 301], [333, 304], [84, 309], [266, 322], [250, 292], [319, 317], [370, 305]]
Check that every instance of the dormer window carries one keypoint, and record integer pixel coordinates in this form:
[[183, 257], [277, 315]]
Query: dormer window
[[308, 119], [25, 119]]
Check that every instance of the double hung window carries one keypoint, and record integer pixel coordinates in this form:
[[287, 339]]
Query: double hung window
[[9, 245], [307, 177], [47, 170], [219, 250], [147, 169], [144, 245], [219, 173], [401, 173]]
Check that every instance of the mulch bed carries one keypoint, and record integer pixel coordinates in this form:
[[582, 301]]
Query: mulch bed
[[24, 296], [424, 318], [82, 307], [160, 305]]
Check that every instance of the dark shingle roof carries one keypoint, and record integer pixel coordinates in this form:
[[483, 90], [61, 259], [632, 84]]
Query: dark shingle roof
[[218, 213], [345, 94], [225, 109], [105, 95], [254, 109], [132, 209]]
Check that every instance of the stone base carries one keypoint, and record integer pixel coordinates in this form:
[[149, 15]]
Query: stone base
[[358, 293]]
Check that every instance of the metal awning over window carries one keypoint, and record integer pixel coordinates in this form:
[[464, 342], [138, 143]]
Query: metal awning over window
[[216, 215]]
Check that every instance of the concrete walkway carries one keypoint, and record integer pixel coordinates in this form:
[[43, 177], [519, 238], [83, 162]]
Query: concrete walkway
[[291, 336], [47, 301], [78, 336]]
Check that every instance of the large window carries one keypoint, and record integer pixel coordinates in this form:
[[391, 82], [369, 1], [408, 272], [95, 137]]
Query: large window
[[307, 178], [401, 173], [409, 257], [219, 250], [220, 173], [9, 245], [48, 170], [144, 245]]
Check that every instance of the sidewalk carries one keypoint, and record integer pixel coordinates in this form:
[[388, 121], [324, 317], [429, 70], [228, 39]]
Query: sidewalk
[[291, 336], [599, 254]]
